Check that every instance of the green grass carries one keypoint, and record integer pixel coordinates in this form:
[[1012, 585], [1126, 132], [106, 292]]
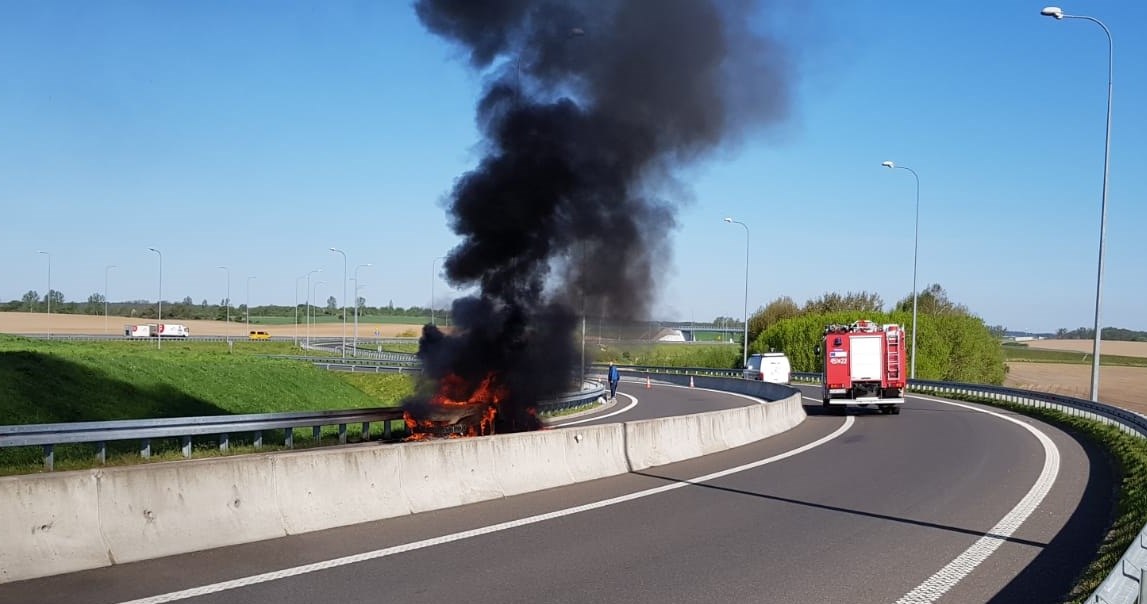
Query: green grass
[[715, 356], [1021, 352], [60, 381], [1130, 455]]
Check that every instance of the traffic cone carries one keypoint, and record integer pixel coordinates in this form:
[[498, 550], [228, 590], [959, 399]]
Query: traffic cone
[[648, 383], [690, 381]]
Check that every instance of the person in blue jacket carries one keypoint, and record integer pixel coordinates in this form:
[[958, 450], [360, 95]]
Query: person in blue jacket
[[614, 378]]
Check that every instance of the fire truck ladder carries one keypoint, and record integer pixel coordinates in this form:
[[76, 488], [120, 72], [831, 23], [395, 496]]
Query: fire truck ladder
[[894, 340]]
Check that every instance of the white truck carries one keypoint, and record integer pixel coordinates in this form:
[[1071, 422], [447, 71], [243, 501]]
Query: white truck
[[154, 330]]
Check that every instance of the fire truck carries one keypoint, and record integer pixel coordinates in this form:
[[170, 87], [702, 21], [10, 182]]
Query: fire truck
[[863, 365]]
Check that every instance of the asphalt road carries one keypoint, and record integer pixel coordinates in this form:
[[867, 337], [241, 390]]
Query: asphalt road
[[861, 508]]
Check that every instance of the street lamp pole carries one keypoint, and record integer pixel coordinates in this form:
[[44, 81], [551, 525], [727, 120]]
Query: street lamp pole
[[432, 280], [106, 269], [49, 296], [356, 286], [228, 300], [1058, 14], [247, 304], [745, 355], [314, 291], [915, 255], [333, 249], [308, 294], [159, 312]]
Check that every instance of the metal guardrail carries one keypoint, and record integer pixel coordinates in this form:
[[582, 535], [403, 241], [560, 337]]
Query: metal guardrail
[[1127, 582], [48, 436]]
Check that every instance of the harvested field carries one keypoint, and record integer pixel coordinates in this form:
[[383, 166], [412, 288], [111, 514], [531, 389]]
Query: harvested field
[[1120, 386], [18, 323], [1127, 349]]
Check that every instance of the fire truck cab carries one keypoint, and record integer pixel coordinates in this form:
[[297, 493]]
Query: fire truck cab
[[862, 365]]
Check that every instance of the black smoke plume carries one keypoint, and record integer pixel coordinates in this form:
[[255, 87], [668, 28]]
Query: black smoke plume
[[589, 109]]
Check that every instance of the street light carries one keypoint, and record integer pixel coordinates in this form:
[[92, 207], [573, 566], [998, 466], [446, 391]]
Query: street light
[[308, 294], [1057, 13], [313, 294], [106, 269], [356, 286], [915, 255], [159, 313], [745, 355], [432, 280], [334, 249], [247, 304], [49, 296], [227, 300]]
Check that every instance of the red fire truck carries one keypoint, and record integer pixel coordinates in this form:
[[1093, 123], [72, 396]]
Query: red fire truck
[[863, 365]]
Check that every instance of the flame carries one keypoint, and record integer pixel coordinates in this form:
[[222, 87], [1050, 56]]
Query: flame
[[455, 393]]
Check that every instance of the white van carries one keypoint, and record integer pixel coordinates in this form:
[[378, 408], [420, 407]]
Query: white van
[[769, 367]]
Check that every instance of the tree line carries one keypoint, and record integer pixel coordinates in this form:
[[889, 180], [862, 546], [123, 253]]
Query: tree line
[[952, 344], [188, 309], [1108, 333]]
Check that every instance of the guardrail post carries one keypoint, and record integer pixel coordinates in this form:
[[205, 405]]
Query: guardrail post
[[342, 434], [49, 457], [258, 439], [366, 431], [289, 438], [224, 442], [317, 434], [145, 448], [386, 429], [102, 452], [186, 446]]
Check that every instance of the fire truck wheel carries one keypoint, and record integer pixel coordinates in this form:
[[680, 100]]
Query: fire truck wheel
[[896, 411], [825, 403]]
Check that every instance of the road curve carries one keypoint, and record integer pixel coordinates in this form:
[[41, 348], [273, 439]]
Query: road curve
[[862, 508]]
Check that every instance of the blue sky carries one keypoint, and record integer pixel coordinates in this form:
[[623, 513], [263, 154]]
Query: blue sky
[[259, 134]]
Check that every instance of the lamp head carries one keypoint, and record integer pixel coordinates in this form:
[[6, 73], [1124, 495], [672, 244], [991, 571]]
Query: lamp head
[[1052, 11], [729, 220], [888, 164]]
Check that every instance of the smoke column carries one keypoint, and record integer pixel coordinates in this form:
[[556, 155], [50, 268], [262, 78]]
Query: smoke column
[[589, 109]]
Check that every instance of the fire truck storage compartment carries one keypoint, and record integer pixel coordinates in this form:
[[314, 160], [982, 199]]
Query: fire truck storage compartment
[[867, 358]]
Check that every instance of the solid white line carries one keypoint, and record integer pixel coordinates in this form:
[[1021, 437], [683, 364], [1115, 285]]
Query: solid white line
[[407, 547], [947, 577], [597, 417]]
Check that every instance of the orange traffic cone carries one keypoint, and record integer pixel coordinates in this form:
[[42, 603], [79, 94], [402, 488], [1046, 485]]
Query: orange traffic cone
[[648, 383], [690, 381]]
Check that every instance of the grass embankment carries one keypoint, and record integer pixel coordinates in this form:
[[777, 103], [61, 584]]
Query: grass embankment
[[715, 356], [1021, 352], [1130, 455], [59, 381]]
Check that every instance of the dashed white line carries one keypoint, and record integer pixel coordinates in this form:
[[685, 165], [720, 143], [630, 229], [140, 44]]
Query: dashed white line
[[485, 530], [946, 578]]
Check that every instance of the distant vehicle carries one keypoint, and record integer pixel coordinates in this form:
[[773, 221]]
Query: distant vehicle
[[259, 335], [769, 367], [154, 330], [863, 365]]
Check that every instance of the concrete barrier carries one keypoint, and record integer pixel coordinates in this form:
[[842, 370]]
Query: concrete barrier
[[69, 521], [49, 525]]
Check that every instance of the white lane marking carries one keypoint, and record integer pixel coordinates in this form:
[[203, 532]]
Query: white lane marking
[[485, 530], [947, 577], [597, 417]]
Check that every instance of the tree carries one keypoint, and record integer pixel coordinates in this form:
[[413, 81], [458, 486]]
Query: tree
[[187, 301], [998, 331], [777, 310], [932, 301], [56, 297], [360, 303], [95, 304], [332, 304], [834, 302], [31, 299]]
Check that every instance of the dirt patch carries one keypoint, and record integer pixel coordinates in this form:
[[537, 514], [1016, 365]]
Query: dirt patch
[[38, 323], [1126, 349], [1120, 386]]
